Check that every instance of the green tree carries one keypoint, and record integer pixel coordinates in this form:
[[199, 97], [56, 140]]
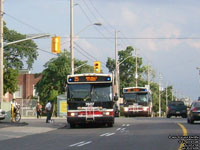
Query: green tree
[[16, 57], [127, 68], [54, 76]]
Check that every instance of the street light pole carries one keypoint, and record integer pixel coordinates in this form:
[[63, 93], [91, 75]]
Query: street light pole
[[72, 35], [166, 96], [136, 73], [159, 95], [116, 65], [1, 53]]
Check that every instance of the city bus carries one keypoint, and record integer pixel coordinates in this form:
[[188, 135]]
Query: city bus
[[90, 99], [137, 101]]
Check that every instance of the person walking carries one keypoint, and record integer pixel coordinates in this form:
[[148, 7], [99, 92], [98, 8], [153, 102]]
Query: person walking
[[48, 111], [39, 110]]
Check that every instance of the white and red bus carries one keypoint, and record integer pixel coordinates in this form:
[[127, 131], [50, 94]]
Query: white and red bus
[[137, 101], [90, 99]]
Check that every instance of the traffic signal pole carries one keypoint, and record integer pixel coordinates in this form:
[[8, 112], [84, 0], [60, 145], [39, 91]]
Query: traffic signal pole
[[1, 52]]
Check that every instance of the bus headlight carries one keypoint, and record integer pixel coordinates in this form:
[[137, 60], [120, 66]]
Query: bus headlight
[[73, 114], [106, 113], [125, 108]]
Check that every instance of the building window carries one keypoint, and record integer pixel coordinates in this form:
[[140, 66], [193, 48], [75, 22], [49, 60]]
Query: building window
[[19, 92]]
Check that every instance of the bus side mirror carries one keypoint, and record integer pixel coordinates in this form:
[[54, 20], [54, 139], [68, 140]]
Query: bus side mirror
[[115, 98]]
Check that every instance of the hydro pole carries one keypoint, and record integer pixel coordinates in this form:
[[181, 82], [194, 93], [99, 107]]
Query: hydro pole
[[116, 66], [72, 35], [1, 52]]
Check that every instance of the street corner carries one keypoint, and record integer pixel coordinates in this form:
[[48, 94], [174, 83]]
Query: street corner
[[12, 124]]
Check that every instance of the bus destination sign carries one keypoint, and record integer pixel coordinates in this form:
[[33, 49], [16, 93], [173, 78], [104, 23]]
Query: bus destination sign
[[89, 79]]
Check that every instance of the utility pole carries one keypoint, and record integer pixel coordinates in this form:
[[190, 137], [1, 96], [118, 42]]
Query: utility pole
[[166, 97], [136, 72], [1, 52], [159, 96], [148, 74], [72, 35], [116, 66]]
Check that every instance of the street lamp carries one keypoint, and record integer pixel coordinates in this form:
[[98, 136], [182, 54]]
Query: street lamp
[[96, 24], [72, 33]]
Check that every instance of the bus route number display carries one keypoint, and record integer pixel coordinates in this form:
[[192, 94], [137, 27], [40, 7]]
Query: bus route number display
[[89, 79]]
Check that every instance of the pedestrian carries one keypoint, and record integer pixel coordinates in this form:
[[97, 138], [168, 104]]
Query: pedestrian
[[39, 110], [48, 111]]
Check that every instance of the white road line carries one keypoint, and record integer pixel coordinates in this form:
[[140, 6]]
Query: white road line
[[76, 144], [123, 129], [110, 134], [104, 134], [118, 129], [128, 125], [123, 125], [84, 144]]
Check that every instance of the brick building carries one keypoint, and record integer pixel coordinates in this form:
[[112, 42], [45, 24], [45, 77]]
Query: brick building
[[26, 86]]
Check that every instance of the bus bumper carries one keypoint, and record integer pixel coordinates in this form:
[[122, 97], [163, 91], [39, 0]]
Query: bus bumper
[[133, 113], [81, 120]]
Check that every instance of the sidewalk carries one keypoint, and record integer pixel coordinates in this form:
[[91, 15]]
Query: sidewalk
[[34, 122], [30, 126]]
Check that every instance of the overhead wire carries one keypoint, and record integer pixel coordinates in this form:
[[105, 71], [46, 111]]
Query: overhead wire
[[28, 25], [98, 12]]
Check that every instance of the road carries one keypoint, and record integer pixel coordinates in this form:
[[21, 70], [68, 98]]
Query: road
[[127, 134]]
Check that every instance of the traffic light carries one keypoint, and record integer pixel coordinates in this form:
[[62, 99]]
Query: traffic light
[[55, 44], [97, 67]]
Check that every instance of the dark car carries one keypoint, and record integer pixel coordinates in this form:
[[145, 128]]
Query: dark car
[[194, 112], [177, 108]]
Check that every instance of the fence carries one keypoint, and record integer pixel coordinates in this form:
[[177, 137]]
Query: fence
[[28, 107]]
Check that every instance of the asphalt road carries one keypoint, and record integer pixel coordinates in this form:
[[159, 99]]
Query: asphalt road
[[127, 134]]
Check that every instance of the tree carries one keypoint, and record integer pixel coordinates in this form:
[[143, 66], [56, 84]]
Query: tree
[[127, 68], [54, 76], [16, 57]]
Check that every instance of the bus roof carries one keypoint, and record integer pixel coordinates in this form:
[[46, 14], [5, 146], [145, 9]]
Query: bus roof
[[89, 78], [89, 74]]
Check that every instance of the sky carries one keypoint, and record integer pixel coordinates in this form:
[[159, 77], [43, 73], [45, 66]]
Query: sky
[[138, 20]]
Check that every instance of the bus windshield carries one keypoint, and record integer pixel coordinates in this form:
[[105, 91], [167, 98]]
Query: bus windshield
[[136, 97], [90, 92]]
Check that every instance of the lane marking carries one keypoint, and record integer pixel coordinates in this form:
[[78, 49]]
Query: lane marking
[[107, 134], [128, 125], [85, 143], [185, 133], [110, 134], [123, 125], [123, 129], [118, 129], [104, 134], [76, 144]]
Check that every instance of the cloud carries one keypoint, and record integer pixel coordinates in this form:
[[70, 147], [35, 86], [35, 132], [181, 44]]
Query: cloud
[[194, 44], [165, 30]]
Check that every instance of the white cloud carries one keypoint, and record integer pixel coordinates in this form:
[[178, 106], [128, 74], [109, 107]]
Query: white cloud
[[165, 30], [194, 44]]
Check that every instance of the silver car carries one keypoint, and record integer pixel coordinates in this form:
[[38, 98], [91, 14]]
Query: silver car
[[2, 114]]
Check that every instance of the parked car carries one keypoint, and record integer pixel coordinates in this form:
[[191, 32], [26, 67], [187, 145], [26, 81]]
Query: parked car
[[177, 108], [2, 114], [194, 112]]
